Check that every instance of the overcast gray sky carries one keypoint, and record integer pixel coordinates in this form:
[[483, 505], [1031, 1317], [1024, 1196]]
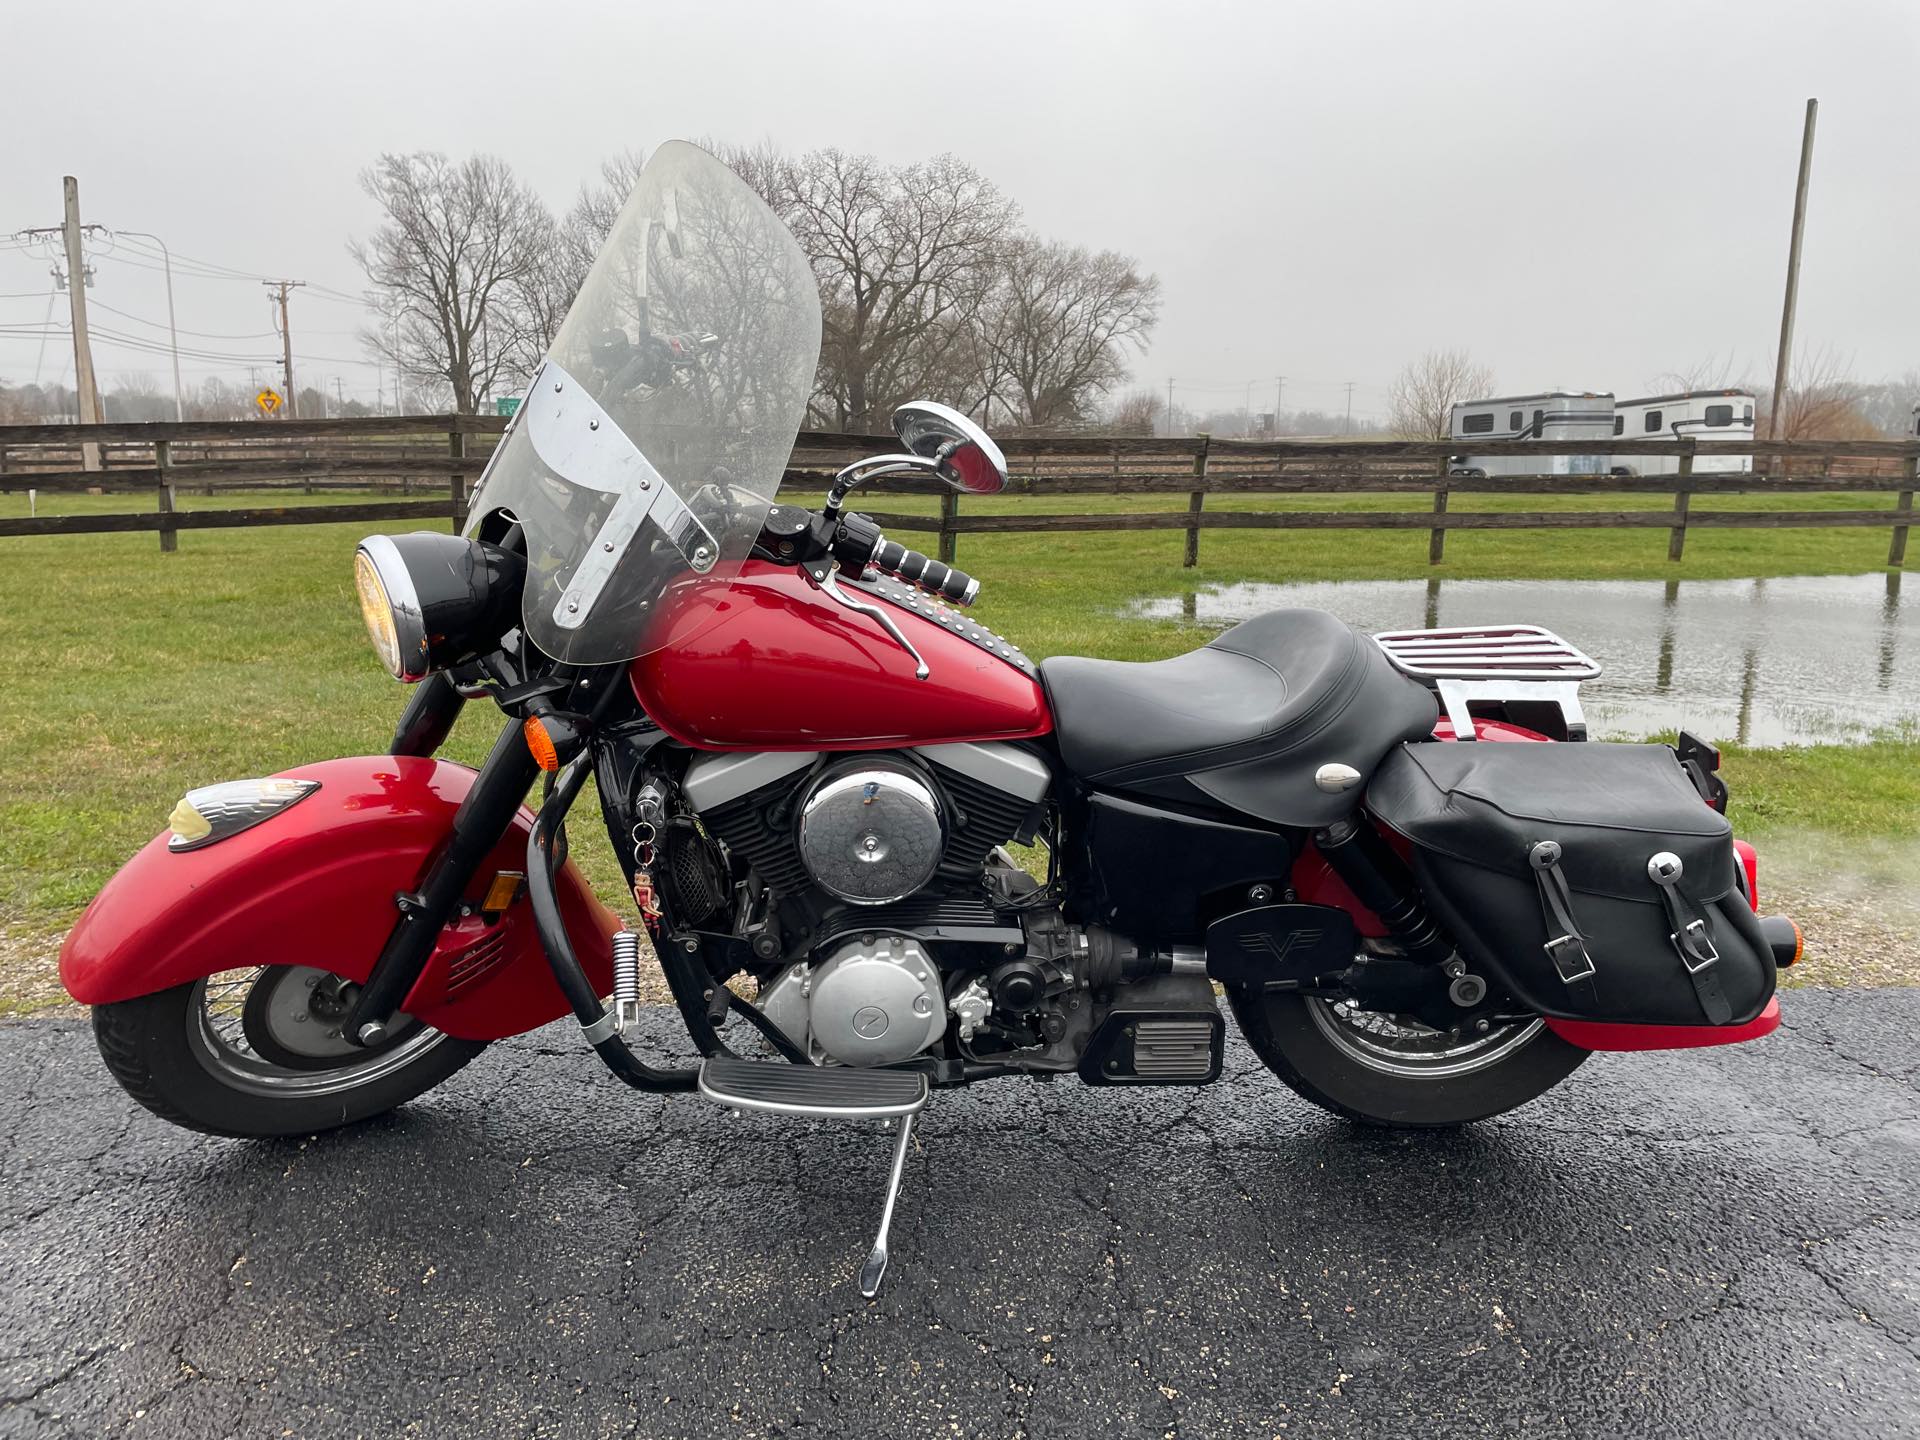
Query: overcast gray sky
[[1584, 197]]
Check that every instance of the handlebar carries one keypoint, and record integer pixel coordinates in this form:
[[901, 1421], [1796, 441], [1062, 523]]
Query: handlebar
[[933, 576], [857, 543]]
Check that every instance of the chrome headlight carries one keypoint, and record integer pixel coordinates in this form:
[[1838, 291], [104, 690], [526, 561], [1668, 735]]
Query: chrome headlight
[[213, 812], [434, 600]]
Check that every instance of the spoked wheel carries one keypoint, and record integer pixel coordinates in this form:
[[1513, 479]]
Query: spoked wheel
[[1392, 1070], [261, 1052]]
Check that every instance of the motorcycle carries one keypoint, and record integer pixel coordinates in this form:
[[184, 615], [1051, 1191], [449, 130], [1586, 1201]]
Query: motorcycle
[[1424, 895]]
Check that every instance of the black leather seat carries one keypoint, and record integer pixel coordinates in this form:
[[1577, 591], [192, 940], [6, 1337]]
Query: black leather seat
[[1243, 722]]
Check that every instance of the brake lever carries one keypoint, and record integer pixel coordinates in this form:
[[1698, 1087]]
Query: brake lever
[[831, 586]]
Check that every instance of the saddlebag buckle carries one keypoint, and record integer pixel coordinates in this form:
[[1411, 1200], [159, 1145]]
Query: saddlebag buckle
[[1570, 958], [1695, 946], [1572, 961]]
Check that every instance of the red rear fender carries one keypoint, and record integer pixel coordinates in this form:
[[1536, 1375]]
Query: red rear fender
[[315, 885]]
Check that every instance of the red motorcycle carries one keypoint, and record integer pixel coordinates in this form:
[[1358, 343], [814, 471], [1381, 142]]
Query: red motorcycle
[[813, 766]]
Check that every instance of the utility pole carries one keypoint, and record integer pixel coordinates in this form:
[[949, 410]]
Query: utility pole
[[286, 342], [83, 379], [1349, 407], [1279, 389], [1785, 356], [1169, 405], [339, 398]]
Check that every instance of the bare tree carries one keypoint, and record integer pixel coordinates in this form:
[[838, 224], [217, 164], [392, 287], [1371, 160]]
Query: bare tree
[[1421, 399], [1822, 401], [1709, 373], [1056, 328], [1890, 403], [1137, 412], [137, 396], [904, 256], [584, 230], [461, 269]]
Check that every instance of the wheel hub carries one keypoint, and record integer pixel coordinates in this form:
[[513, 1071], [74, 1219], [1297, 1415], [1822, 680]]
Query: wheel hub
[[294, 1017]]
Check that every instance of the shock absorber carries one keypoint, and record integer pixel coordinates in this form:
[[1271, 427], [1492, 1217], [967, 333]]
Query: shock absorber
[[626, 979], [1380, 880]]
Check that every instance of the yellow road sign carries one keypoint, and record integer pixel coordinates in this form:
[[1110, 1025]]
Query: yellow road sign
[[268, 400]]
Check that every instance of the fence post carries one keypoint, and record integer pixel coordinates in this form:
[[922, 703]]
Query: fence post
[[1195, 500], [1682, 502], [949, 541], [1897, 551], [457, 449], [1437, 537], [162, 462]]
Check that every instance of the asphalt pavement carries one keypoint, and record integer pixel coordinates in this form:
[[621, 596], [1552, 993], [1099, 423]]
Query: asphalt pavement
[[1707, 1243]]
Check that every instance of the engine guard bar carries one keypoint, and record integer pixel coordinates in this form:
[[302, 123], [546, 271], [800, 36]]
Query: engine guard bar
[[558, 948]]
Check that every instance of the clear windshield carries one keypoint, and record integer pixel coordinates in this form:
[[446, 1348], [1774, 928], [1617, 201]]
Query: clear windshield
[[654, 436]]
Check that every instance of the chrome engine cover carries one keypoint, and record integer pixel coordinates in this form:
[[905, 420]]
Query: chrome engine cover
[[871, 834], [873, 1001]]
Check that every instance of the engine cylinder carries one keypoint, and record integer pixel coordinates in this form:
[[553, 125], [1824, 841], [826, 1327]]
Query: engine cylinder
[[871, 834]]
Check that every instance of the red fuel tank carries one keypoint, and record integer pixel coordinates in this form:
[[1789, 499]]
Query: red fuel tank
[[776, 665]]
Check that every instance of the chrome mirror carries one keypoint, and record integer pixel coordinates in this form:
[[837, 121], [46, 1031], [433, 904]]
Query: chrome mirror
[[963, 453]]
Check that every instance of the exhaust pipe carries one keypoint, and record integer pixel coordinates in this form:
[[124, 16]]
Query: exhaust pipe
[[1783, 937]]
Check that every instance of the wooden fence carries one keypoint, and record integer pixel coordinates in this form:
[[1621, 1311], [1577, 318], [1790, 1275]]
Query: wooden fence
[[413, 457]]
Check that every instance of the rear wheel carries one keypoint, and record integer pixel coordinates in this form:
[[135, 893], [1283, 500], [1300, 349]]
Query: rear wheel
[[1391, 1070], [259, 1053]]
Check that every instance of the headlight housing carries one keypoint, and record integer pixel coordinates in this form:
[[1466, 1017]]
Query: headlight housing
[[433, 600]]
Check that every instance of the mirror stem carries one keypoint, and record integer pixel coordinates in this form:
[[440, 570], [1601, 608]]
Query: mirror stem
[[872, 468]]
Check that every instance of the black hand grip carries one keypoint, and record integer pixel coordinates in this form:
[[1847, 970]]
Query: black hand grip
[[925, 572]]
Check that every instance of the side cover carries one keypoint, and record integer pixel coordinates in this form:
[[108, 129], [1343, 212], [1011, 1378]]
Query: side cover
[[315, 885]]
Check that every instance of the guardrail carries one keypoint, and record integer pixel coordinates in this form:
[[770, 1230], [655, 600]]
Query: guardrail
[[406, 455]]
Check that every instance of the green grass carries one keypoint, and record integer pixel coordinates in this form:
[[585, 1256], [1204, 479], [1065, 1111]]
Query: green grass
[[132, 675], [1867, 791]]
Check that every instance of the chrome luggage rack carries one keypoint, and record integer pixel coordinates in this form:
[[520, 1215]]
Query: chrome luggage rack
[[1501, 663]]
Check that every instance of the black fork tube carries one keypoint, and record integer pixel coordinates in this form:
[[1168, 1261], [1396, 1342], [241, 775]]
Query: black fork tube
[[478, 824], [429, 716]]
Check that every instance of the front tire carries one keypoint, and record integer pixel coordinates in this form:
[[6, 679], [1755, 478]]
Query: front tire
[[246, 1054], [1381, 1070]]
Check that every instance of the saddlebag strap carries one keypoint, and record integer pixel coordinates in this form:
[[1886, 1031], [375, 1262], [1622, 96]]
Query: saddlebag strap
[[1692, 936], [1566, 947]]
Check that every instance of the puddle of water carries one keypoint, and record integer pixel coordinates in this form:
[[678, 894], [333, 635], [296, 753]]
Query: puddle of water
[[1764, 662]]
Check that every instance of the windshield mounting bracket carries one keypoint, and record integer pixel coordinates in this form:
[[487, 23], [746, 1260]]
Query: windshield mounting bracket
[[583, 445]]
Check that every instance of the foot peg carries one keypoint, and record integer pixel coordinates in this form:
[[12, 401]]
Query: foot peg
[[830, 1093]]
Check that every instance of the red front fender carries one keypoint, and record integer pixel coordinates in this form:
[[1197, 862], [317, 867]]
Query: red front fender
[[315, 885]]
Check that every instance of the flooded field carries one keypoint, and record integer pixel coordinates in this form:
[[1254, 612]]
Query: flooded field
[[1763, 662]]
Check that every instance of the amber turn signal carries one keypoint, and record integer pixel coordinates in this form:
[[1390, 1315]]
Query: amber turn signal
[[502, 890], [540, 744]]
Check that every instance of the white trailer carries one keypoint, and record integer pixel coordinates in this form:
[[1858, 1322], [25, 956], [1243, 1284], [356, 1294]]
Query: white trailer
[[1555, 415], [1689, 415]]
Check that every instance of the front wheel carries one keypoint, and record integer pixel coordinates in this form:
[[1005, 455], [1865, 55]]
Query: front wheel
[[258, 1053], [1388, 1070]]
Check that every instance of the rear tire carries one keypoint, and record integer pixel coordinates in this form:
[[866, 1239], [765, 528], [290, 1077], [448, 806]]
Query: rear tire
[[188, 1062], [1332, 1058]]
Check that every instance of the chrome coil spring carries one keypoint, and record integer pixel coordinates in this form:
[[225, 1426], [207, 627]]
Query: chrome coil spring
[[626, 977]]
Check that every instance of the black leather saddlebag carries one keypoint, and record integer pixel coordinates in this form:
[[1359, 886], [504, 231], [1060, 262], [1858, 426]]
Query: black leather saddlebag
[[1591, 880]]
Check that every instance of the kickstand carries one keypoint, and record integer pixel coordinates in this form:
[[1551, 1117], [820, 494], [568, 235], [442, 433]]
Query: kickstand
[[876, 1266]]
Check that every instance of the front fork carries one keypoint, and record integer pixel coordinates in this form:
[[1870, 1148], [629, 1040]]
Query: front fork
[[482, 817]]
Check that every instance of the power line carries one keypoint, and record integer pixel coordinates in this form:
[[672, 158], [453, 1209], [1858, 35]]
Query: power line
[[203, 334]]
